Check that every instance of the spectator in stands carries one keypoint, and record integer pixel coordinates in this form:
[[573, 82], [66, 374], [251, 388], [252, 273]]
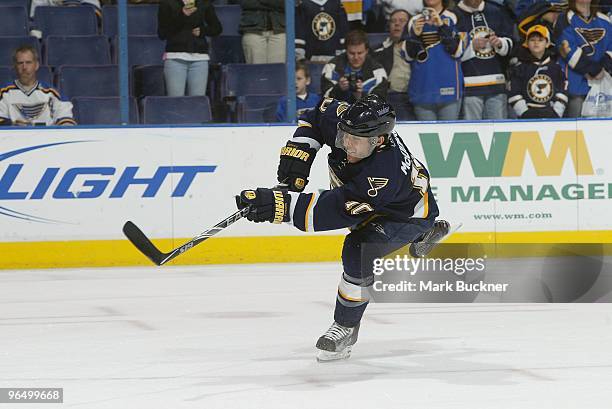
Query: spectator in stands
[[184, 24], [320, 28], [262, 25], [28, 102], [391, 54], [412, 7], [303, 99], [37, 3], [537, 84], [353, 74], [434, 49], [544, 13], [488, 27], [585, 46]]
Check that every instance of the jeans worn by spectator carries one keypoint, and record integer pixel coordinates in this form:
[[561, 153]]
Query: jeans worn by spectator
[[478, 107], [264, 48], [574, 106], [437, 112], [179, 73]]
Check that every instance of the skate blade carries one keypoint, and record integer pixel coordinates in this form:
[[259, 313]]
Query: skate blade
[[327, 356]]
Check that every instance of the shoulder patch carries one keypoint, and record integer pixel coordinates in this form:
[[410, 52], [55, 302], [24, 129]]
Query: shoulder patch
[[376, 184], [343, 106]]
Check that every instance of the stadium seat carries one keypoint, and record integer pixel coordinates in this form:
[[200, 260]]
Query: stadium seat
[[20, 3], [376, 39], [142, 20], [66, 21], [92, 81], [142, 50], [257, 108], [315, 70], [403, 108], [13, 21], [257, 79], [176, 110], [77, 50], [226, 49], [229, 16], [148, 80], [102, 110], [9, 44], [8, 75]]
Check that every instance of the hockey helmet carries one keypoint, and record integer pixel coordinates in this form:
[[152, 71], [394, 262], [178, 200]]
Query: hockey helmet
[[363, 123]]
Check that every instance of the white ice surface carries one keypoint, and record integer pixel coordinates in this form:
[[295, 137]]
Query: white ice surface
[[243, 337]]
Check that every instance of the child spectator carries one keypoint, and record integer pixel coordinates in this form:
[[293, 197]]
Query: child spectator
[[184, 24], [304, 100], [538, 85]]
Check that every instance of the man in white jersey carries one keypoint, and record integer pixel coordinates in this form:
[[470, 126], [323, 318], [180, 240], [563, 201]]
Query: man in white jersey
[[26, 101]]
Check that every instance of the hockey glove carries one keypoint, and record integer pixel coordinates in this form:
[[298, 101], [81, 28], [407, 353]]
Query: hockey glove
[[294, 167], [267, 205]]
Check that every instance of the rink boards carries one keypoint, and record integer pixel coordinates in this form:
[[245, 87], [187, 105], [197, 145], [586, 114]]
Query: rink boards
[[65, 193]]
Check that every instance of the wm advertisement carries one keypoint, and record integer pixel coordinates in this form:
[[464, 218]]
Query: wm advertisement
[[74, 185]]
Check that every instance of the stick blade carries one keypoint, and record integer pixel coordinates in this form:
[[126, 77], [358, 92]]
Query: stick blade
[[142, 243]]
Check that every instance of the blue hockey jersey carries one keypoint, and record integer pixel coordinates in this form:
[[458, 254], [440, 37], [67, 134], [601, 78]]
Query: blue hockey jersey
[[301, 105], [390, 183], [434, 56], [585, 47]]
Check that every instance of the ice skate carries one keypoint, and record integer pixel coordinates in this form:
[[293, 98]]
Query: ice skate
[[432, 237], [337, 342]]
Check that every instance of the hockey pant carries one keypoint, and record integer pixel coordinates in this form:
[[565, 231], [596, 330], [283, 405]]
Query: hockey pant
[[381, 238]]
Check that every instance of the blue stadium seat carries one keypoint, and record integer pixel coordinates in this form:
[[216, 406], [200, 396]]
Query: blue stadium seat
[[401, 103], [66, 21], [142, 20], [244, 79], [145, 50], [315, 70], [9, 44], [229, 16], [8, 75], [20, 3], [376, 39], [13, 21], [102, 110], [77, 50], [257, 108], [226, 49], [148, 80], [176, 110], [92, 81]]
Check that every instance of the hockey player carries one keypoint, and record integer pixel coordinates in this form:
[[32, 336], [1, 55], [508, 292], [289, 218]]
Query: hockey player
[[28, 102], [538, 85], [378, 190]]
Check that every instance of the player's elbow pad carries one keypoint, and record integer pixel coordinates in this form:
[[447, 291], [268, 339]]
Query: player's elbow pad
[[294, 166]]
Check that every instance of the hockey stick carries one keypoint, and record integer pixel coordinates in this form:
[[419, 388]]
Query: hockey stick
[[142, 242]]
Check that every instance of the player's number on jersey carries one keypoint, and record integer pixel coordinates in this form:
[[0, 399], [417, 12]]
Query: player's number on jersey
[[419, 179]]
